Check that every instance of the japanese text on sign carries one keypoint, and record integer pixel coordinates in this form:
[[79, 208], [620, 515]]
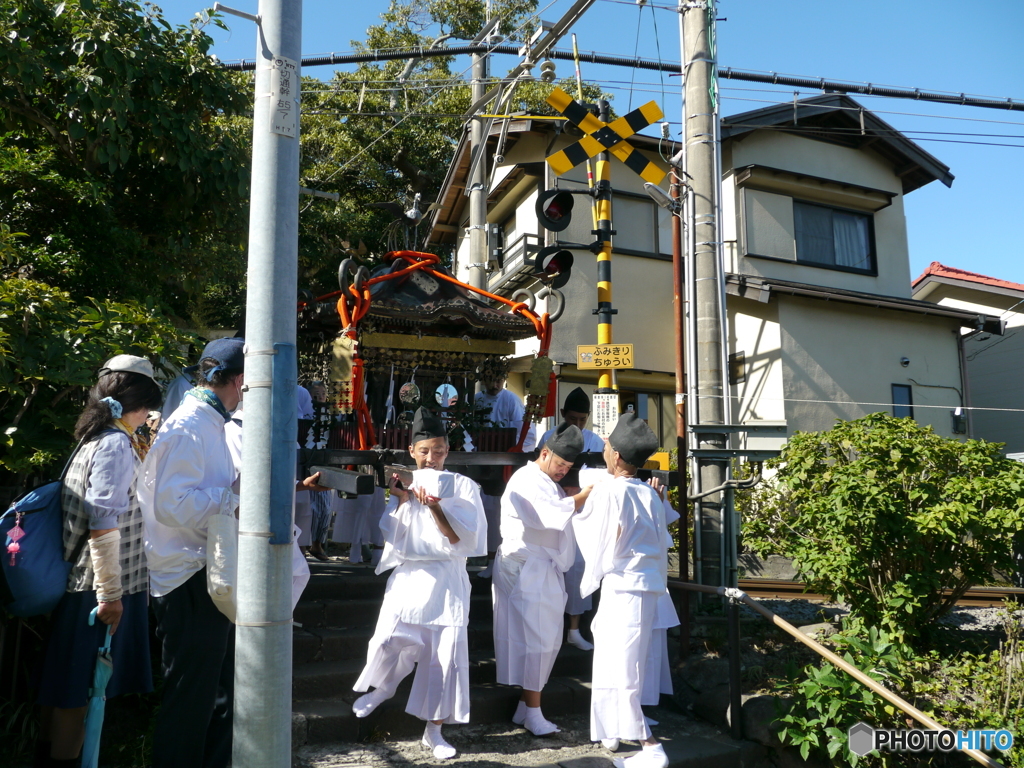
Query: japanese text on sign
[[604, 414], [604, 356], [284, 96]]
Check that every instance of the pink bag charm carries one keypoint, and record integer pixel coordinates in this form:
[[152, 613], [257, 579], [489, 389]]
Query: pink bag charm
[[14, 534]]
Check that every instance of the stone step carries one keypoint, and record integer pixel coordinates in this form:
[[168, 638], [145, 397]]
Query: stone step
[[323, 679], [334, 643], [362, 611], [322, 721], [340, 580]]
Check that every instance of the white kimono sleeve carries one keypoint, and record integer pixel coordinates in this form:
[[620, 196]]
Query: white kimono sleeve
[[597, 530]]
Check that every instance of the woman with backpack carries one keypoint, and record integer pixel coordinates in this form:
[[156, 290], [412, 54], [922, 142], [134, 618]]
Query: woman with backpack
[[103, 537]]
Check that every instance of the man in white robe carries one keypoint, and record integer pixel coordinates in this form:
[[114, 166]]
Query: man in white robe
[[529, 594], [506, 410], [576, 411], [429, 530], [623, 534]]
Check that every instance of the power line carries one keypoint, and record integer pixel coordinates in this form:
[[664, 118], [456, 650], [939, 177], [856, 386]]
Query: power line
[[728, 73]]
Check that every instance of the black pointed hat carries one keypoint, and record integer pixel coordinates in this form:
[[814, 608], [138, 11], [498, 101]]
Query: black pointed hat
[[566, 442], [633, 439], [425, 426], [577, 401]]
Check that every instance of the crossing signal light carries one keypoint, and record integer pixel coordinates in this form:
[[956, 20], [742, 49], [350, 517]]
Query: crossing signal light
[[554, 209], [552, 264], [547, 71]]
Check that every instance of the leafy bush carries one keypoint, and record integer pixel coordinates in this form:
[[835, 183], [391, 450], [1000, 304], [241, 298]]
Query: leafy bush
[[885, 515], [825, 701], [50, 350]]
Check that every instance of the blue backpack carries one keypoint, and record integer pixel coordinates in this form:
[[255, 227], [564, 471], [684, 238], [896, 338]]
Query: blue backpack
[[35, 573]]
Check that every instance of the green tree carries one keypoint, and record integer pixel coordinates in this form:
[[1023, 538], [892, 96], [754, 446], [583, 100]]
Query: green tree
[[388, 131], [50, 349], [121, 155], [883, 514]]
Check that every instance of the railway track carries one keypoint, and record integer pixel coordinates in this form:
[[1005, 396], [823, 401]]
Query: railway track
[[976, 597]]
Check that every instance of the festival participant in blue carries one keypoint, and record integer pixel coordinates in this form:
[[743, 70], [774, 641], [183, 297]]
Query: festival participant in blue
[[430, 528], [102, 516], [623, 534], [186, 480]]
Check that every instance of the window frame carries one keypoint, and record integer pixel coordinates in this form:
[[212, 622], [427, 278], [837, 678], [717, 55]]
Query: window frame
[[909, 405], [872, 251]]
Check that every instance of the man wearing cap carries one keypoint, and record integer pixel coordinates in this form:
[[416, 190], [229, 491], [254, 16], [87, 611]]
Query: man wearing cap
[[186, 480], [537, 547], [430, 528], [576, 411], [622, 532]]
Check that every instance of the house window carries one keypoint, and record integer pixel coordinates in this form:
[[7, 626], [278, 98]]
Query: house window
[[833, 237], [902, 402]]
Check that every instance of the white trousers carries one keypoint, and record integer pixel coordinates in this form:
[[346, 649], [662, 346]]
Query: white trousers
[[304, 518], [440, 655], [358, 522], [624, 644], [529, 600], [576, 604], [492, 511]]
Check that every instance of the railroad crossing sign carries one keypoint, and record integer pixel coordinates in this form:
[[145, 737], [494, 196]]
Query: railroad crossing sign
[[603, 136]]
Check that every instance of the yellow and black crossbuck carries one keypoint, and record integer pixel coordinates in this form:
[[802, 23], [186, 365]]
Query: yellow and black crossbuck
[[603, 136]]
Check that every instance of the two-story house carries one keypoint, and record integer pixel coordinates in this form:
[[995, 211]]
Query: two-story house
[[993, 385], [821, 322]]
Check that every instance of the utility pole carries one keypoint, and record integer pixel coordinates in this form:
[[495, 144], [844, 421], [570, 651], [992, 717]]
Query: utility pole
[[604, 232], [477, 190], [708, 401], [263, 636]]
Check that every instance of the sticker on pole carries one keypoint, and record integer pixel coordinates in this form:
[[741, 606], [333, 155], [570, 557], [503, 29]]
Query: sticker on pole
[[602, 356], [604, 413], [284, 97]]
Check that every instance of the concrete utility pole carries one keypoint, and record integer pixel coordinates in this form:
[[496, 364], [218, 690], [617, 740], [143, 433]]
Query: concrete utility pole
[[478, 171], [709, 403], [263, 639]]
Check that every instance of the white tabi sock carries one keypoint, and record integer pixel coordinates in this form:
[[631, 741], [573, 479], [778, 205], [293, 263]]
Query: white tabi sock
[[433, 740], [575, 638], [652, 756], [365, 704], [486, 572], [520, 716], [537, 725], [610, 744]]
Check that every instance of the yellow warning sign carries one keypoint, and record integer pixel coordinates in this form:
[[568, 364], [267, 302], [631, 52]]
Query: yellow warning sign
[[602, 356]]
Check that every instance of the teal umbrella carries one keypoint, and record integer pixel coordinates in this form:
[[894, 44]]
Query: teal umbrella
[[97, 700]]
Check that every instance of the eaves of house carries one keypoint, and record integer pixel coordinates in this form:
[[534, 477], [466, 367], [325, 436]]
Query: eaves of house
[[761, 289]]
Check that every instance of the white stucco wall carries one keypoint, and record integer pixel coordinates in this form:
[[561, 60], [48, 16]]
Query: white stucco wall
[[838, 359], [763, 221], [994, 363]]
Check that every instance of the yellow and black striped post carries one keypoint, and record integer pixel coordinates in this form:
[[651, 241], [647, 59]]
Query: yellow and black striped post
[[604, 234]]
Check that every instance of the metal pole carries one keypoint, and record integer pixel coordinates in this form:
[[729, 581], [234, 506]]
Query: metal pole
[[604, 234], [735, 692], [700, 164], [477, 182], [263, 639], [679, 306]]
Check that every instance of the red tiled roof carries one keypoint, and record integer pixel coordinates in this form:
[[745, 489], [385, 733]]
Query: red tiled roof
[[941, 270]]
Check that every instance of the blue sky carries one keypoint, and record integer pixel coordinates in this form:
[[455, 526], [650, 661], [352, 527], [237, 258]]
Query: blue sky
[[937, 45]]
